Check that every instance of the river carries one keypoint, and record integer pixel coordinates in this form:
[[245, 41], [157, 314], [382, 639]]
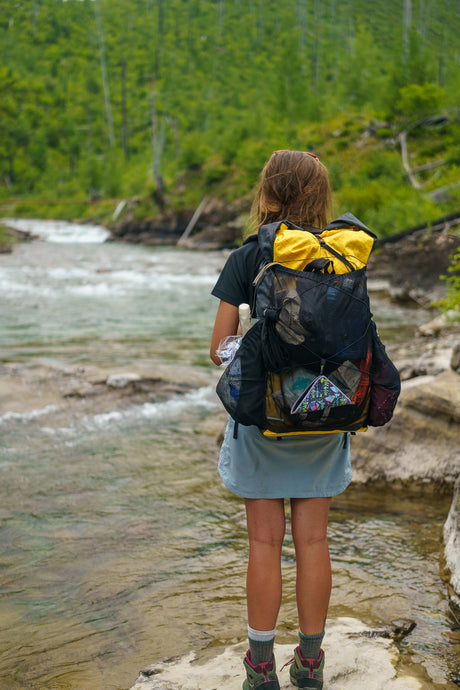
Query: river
[[120, 546]]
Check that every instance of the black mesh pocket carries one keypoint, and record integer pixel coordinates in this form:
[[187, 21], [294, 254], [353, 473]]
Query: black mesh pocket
[[386, 383], [242, 386]]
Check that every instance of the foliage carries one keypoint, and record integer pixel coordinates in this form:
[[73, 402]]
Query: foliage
[[450, 305], [420, 100], [101, 99]]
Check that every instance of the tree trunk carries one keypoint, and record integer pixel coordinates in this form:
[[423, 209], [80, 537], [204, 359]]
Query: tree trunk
[[124, 106], [105, 81], [302, 22], [157, 145], [159, 38], [315, 57], [406, 27]]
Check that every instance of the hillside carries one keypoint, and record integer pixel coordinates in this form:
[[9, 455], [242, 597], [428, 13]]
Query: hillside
[[167, 102]]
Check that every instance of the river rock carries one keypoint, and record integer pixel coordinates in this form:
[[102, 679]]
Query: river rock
[[421, 443], [433, 327], [355, 660]]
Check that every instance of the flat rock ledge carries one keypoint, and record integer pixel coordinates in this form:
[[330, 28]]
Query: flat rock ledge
[[25, 389], [360, 659]]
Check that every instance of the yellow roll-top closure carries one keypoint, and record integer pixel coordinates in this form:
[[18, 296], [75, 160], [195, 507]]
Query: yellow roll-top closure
[[296, 248]]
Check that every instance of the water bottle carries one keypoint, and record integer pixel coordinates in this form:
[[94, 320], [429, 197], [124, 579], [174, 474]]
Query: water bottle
[[244, 312]]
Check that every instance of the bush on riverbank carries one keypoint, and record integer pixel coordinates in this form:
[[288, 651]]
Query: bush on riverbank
[[450, 304]]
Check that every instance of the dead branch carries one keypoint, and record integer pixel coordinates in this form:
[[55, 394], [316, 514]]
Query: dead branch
[[402, 138], [428, 166]]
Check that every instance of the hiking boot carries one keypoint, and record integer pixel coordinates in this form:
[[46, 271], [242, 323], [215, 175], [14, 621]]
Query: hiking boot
[[262, 676], [307, 673]]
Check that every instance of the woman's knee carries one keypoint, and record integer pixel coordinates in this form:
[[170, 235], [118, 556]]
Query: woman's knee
[[266, 523], [266, 540], [309, 519], [308, 541]]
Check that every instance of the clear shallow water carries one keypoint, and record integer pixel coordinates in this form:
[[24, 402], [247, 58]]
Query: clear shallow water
[[102, 296], [119, 544]]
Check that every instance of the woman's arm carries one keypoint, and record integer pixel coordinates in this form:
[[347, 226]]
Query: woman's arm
[[226, 323]]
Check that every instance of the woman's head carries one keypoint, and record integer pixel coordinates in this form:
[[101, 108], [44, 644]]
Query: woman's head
[[294, 185]]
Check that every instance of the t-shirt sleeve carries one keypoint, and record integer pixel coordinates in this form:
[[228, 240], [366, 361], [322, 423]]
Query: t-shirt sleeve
[[234, 284]]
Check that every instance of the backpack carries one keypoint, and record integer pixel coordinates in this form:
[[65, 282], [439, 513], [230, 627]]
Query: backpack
[[312, 362]]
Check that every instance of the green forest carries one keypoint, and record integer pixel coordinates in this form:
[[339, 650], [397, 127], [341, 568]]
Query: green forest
[[170, 100]]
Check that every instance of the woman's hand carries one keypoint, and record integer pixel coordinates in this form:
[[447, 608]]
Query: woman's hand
[[226, 323]]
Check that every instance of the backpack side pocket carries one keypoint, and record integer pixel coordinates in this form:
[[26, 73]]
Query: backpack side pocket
[[386, 383], [242, 386]]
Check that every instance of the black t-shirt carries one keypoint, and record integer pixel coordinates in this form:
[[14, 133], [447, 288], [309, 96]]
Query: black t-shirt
[[234, 284]]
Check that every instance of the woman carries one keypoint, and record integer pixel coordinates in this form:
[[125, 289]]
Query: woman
[[309, 470]]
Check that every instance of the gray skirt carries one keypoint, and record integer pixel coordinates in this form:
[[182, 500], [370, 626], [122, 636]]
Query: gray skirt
[[256, 466]]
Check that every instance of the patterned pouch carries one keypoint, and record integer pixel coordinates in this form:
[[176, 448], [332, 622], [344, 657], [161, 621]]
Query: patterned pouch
[[321, 394]]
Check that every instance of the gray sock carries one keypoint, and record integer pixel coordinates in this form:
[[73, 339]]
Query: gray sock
[[310, 645], [261, 651]]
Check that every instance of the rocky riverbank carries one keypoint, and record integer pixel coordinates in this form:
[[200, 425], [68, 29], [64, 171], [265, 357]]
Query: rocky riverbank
[[217, 224], [363, 658]]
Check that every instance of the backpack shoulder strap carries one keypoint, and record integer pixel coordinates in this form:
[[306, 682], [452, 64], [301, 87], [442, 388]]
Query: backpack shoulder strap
[[257, 265]]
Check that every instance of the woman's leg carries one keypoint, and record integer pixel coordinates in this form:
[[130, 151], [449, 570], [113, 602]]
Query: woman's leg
[[309, 518], [266, 527]]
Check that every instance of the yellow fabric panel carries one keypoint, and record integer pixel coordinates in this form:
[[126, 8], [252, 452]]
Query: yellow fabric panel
[[292, 246], [296, 248]]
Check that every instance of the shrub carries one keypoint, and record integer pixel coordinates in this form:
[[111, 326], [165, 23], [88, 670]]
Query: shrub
[[417, 100], [450, 305], [194, 152], [214, 170]]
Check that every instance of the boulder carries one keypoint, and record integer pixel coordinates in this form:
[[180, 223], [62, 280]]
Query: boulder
[[451, 535], [415, 259], [455, 359], [357, 658]]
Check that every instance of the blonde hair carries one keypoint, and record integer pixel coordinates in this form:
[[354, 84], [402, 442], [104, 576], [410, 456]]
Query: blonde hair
[[294, 185]]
